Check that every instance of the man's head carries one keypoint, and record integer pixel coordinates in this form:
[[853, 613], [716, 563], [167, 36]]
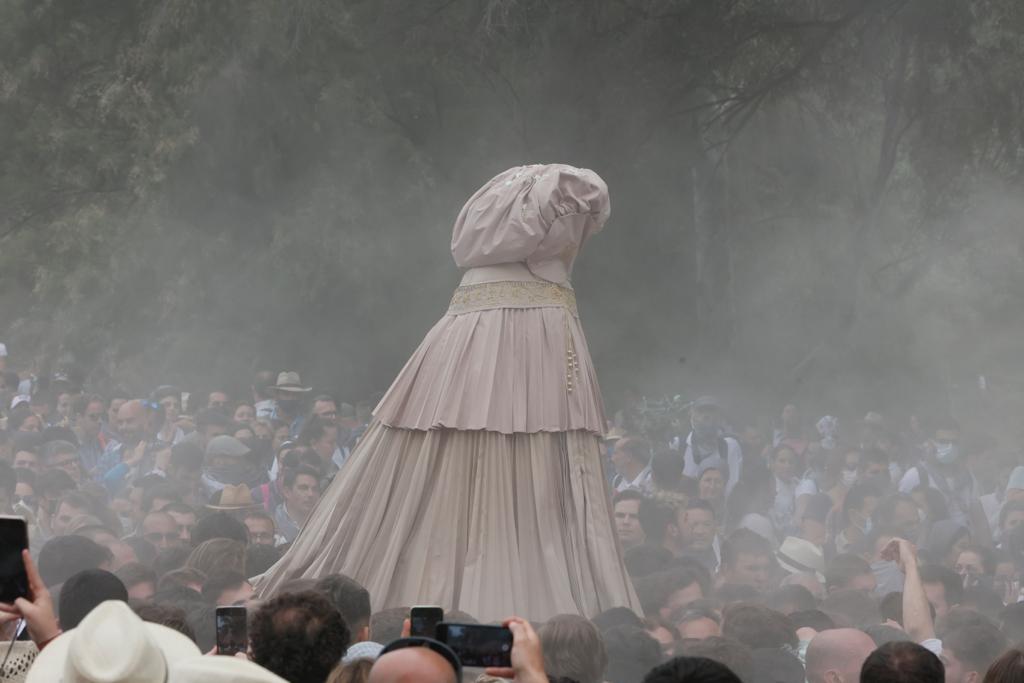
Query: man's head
[[227, 588], [664, 592], [706, 419], [849, 572], [837, 655], [67, 509], [698, 525], [211, 423], [298, 636], [64, 556], [899, 513], [627, 518], [630, 455], [301, 490], [758, 626], [139, 580], [87, 412], [696, 622], [321, 436], [943, 588], [217, 400], [968, 652], [351, 600], [160, 529], [185, 518], [84, 591], [748, 559], [409, 664], [131, 422], [859, 504], [262, 528], [63, 455], [1010, 517], [573, 649], [902, 662], [326, 408], [945, 440]]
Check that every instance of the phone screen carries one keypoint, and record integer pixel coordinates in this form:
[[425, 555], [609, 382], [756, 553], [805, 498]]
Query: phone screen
[[478, 645], [13, 539], [424, 620], [232, 630]]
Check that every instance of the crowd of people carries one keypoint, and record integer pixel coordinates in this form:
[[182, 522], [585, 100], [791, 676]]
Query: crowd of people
[[829, 552]]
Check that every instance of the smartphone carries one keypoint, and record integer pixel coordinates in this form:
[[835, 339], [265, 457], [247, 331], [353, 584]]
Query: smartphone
[[424, 621], [13, 539], [478, 645], [232, 630]]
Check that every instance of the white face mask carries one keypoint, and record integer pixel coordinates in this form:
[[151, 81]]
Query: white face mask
[[849, 478], [946, 453]]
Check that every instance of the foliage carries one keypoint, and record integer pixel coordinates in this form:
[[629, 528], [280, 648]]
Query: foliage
[[807, 193]]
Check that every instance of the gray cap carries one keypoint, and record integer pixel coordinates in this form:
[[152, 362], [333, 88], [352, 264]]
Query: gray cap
[[226, 445]]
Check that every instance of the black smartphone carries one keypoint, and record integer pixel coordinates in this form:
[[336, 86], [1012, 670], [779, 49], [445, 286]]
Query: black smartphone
[[232, 630], [13, 539], [478, 645], [424, 621]]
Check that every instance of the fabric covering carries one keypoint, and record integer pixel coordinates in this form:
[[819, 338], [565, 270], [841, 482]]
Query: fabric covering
[[487, 523]]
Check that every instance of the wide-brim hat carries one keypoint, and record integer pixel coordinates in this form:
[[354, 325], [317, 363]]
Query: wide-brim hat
[[290, 383], [233, 497], [799, 556], [614, 434], [221, 670], [112, 644]]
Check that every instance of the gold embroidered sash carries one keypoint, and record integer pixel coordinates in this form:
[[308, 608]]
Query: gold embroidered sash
[[511, 294]]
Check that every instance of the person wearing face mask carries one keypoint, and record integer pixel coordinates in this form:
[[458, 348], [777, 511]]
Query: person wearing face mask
[[706, 441], [943, 470], [859, 504]]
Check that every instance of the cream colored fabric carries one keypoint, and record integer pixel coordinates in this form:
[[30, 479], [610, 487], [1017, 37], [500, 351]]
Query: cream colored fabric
[[488, 523]]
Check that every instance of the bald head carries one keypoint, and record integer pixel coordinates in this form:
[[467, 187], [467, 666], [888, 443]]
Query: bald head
[[836, 655], [131, 421], [412, 665]]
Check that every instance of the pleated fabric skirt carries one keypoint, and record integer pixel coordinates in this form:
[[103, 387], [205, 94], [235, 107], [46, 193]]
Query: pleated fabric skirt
[[488, 523]]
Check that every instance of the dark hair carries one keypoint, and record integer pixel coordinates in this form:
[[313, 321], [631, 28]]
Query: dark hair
[[983, 600], [1007, 669], [986, 555], [617, 616], [573, 649], [164, 491], [180, 578], [950, 580], [260, 558], [902, 662], [757, 626], [856, 496], [638, 448], [883, 633], [218, 582], [134, 573], [1010, 506], [655, 590], [655, 516], [298, 636], [145, 551], [58, 447], [313, 429], [976, 645], [646, 559], [667, 468], [812, 618], [84, 591], [169, 559], [386, 625], [219, 525], [691, 670], [1011, 621], [165, 614], [64, 556], [626, 494], [856, 606], [211, 417], [292, 474], [745, 542], [891, 607], [700, 504], [729, 652], [843, 569], [631, 652], [793, 595], [349, 597]]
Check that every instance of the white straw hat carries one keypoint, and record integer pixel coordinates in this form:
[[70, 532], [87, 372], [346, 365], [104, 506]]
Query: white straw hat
[[111, 645], [221, 669]]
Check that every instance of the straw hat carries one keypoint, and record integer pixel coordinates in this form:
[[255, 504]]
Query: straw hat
[[111, 644], [290, 383], [798, 556], [233, 498], [221, 670]]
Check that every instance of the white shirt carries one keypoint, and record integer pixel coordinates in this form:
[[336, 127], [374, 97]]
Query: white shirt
[[734, 460], [641, 483]]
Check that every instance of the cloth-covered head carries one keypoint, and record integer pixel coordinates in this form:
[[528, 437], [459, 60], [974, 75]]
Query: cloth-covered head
[[540, 215]]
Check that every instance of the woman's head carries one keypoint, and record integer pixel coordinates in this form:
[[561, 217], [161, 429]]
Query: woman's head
[[785, 463], [712, 484]]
